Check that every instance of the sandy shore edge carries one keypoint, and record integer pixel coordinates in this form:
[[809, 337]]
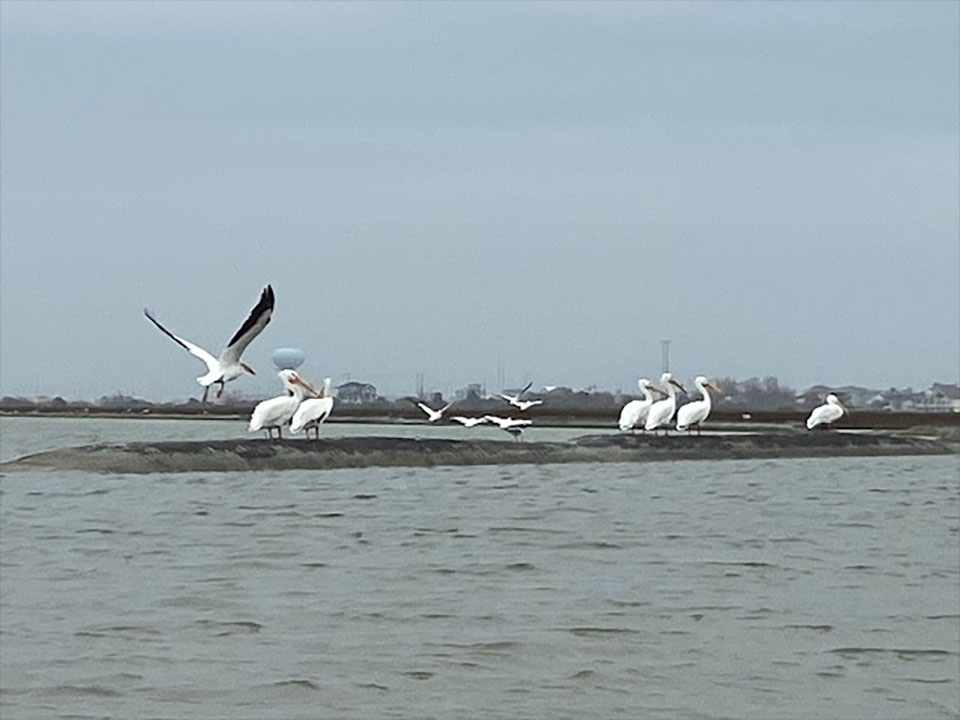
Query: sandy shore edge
[[358, 452]]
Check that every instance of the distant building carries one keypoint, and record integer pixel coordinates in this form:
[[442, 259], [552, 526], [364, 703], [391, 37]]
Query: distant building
[[471, 391], [940, 398], [356, 393]]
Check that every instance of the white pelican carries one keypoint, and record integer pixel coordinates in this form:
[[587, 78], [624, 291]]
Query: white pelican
[[507, 423], [228, 366], [433, 415], [275, 412], [634, 413], [313, 413], [661, 412], [514, 399], [469, 421], [696, 412], [827, 413]]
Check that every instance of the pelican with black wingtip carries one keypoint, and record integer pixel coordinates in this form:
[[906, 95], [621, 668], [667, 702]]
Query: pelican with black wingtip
[[228, 366]]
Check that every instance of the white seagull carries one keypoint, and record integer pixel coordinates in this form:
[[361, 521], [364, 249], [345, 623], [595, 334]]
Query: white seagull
[[469, 421], [634, 413], [313, 413], [228, 366], [827, 413], [661, 412], [433, 415], [275, 412], [696, 412]]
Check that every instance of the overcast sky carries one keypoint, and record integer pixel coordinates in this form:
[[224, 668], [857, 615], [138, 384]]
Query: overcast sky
[[533, 191]]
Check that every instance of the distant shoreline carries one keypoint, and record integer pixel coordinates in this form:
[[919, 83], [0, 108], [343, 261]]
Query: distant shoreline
[[943, 422]]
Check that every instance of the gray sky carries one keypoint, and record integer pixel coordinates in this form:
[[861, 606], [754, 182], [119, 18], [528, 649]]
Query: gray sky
[[449, 188]]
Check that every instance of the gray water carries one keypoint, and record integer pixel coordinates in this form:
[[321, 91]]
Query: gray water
[[817, 588]]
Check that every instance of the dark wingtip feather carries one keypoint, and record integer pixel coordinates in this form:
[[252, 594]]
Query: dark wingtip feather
[[264, 305]]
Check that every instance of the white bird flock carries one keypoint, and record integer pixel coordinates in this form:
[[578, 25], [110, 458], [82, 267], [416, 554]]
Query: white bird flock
[[305, 414]]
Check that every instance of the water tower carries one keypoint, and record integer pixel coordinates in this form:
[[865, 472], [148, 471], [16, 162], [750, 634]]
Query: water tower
[[287, 358]]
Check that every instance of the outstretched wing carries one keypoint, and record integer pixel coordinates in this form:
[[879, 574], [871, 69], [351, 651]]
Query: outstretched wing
[[529, 385], [194, 350], [252, 326]]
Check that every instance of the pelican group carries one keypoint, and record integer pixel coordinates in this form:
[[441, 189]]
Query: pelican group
[[276, 412], [228, 366]]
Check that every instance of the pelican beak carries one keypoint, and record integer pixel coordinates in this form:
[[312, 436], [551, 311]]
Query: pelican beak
[[247, 368], [303, 383], [712, 387], [657, 388], [682, 388]]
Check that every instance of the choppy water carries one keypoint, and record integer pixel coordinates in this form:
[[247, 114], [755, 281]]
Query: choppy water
[[739, 589]]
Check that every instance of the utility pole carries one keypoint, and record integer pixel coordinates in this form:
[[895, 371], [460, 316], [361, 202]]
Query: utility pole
[[665, 353]]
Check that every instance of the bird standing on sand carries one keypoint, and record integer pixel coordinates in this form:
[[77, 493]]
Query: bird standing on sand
[[634, 413], [312, 413], [831, 411], [661, 412], [694, 413]]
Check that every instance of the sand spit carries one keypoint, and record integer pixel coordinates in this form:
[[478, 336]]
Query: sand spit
[[353, 452]]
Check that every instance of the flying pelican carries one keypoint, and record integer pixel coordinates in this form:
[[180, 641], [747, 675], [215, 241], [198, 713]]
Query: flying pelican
[[506, 423], [313, 413], [228, 366], [469, 421], [827, 413], [634, 413], [275, 412], [514, 399], [510, 425], [661, 412], [433, 415], [696, 412]]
